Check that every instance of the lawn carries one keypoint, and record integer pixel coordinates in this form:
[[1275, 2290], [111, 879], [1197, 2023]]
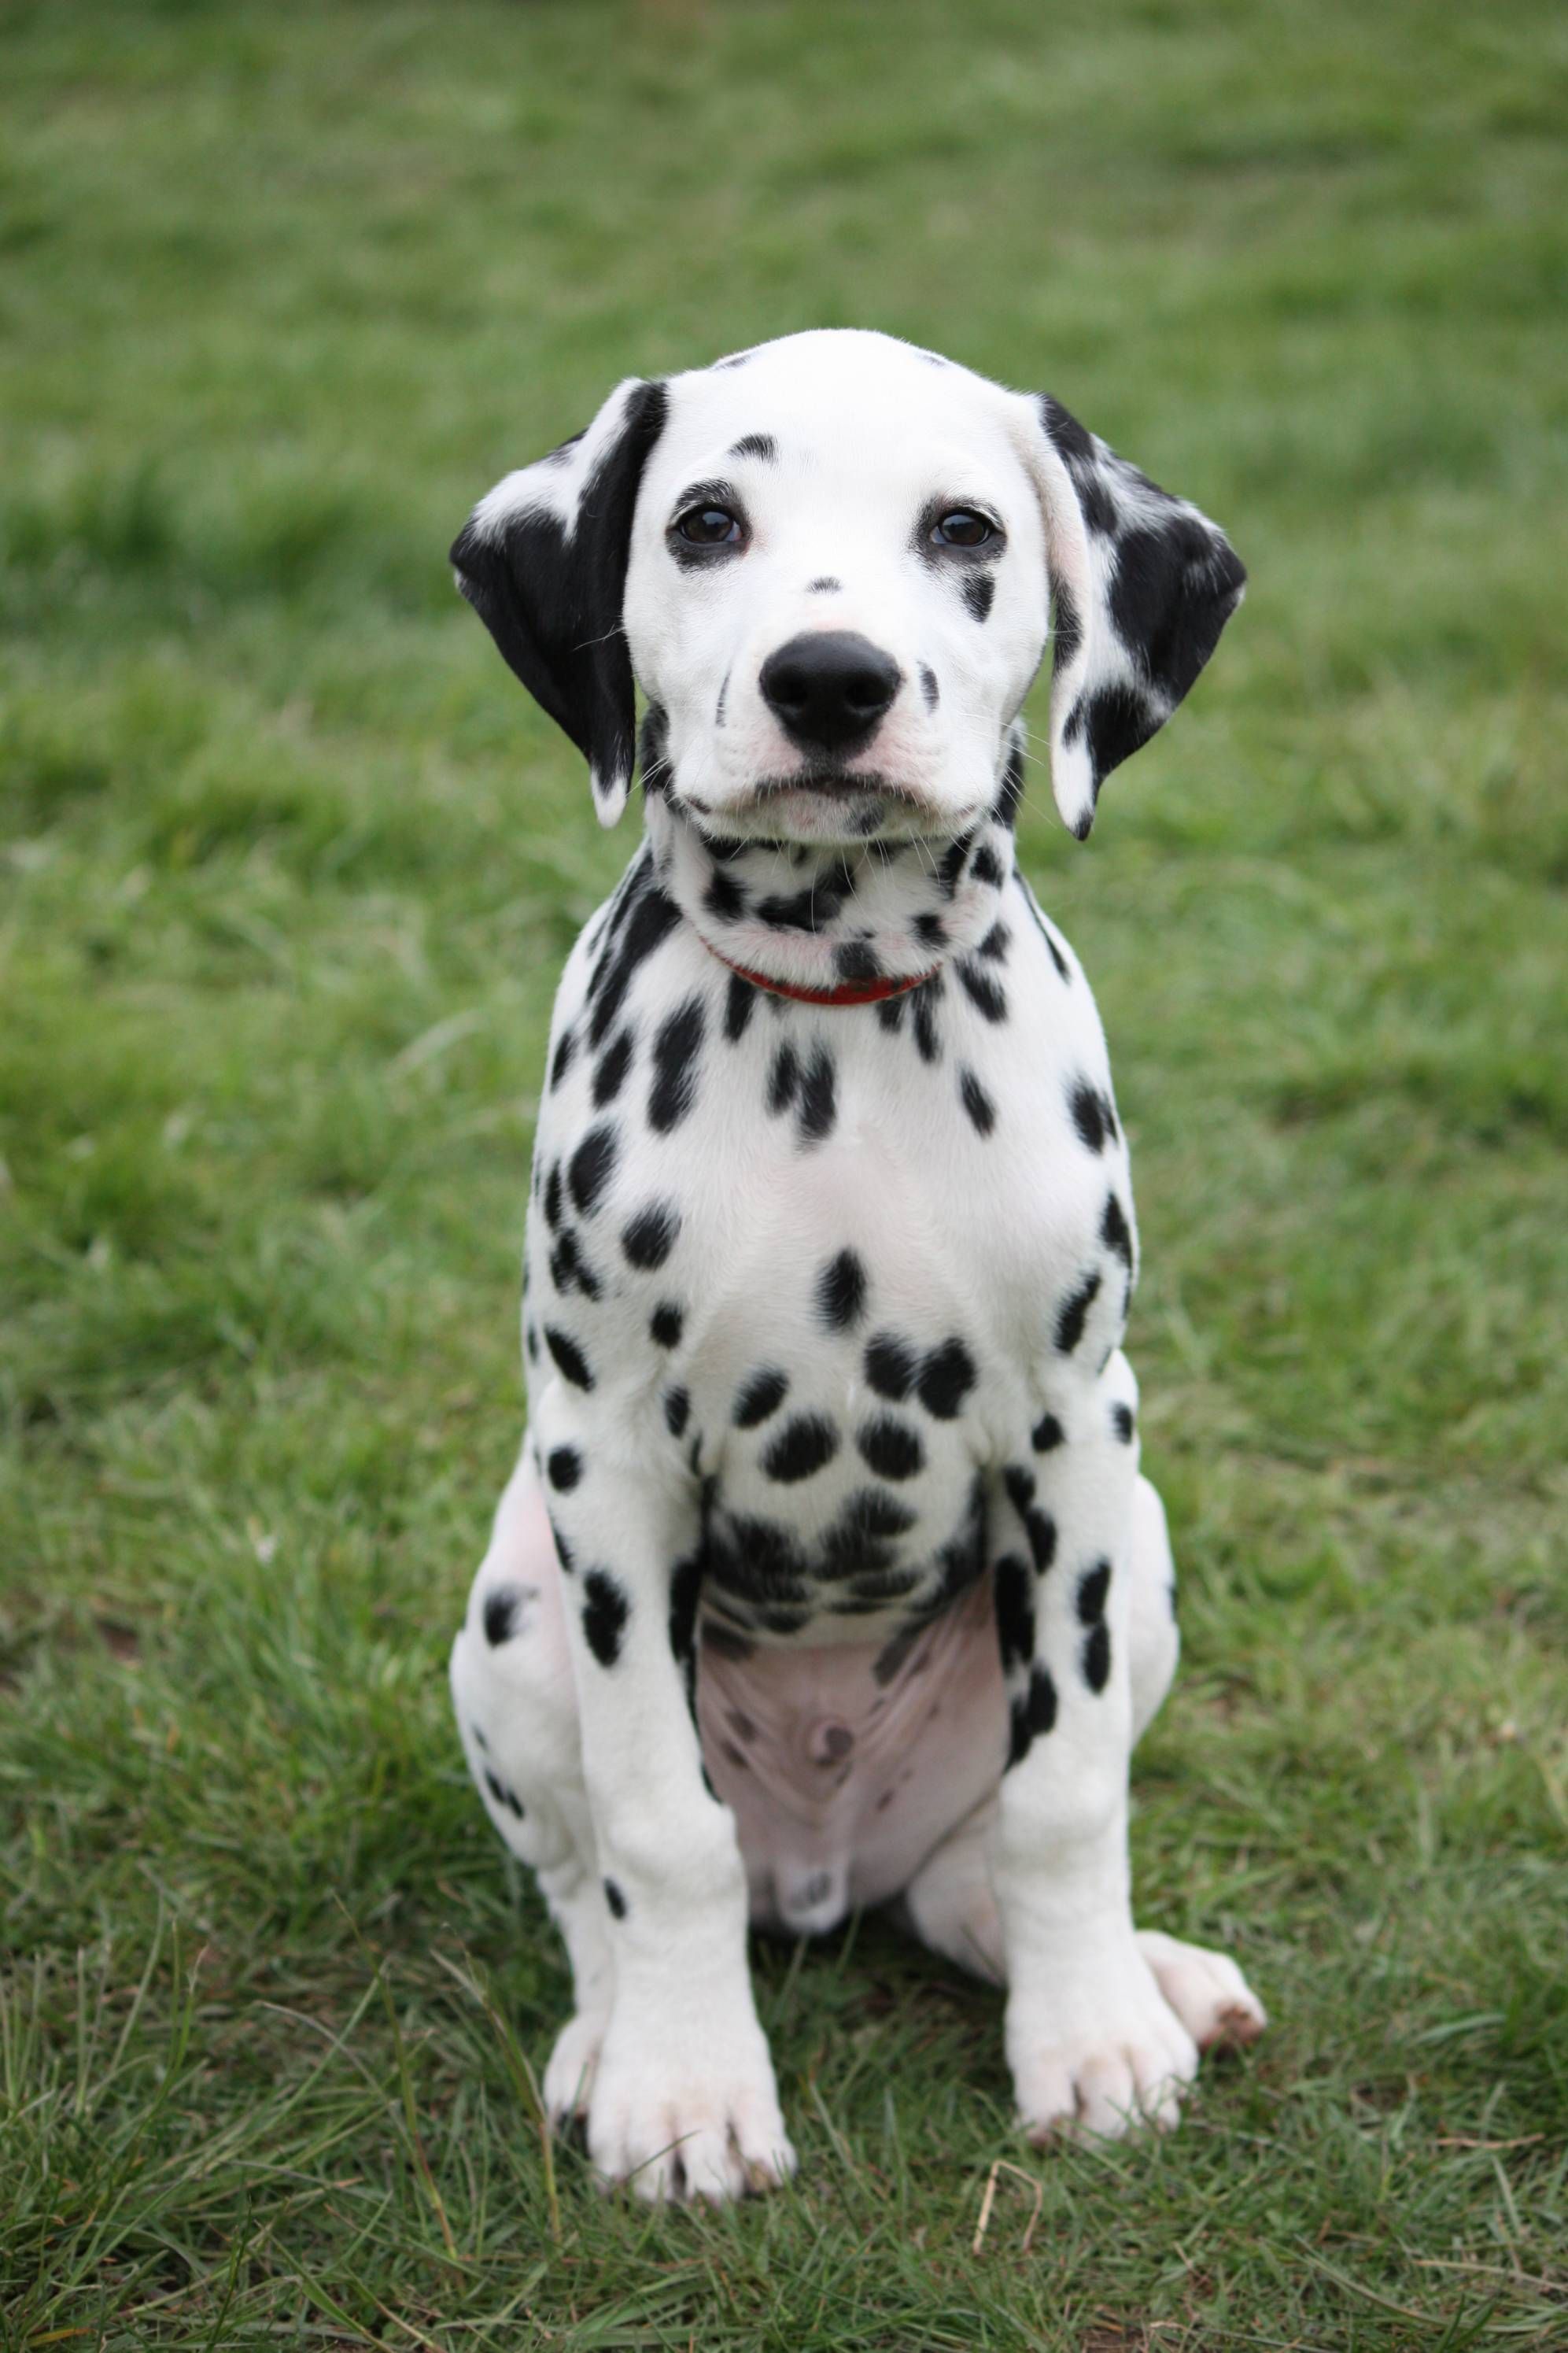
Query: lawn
[[288, 868]]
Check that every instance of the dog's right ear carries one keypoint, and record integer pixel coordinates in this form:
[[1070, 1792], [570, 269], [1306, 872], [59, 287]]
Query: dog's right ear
[[543, 561]]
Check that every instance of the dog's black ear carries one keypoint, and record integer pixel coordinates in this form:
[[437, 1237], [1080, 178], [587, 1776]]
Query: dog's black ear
[[543, 561], [1141, 586]]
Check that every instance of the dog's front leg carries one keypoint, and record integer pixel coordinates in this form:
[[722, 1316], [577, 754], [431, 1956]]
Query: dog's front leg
[[684, 2103], [1091, 2038]]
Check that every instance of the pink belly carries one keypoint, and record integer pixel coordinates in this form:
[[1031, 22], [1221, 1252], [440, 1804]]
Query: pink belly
[[841, 1785]]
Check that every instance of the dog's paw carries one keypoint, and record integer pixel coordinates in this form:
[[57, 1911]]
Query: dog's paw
[[1100, 2052], [683, 2119], [1206, 1990], [569, 2077]]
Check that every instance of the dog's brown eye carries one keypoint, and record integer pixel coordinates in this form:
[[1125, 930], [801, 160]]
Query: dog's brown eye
[[962, 528], [708, 526]]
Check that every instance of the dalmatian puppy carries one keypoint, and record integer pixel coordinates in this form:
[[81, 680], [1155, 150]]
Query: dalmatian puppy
[[827, 1576]]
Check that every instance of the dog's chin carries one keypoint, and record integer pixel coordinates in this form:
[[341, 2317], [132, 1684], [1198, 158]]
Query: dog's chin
[[833, 808]]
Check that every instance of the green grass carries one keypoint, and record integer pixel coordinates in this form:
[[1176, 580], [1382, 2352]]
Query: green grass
[[289, 869]]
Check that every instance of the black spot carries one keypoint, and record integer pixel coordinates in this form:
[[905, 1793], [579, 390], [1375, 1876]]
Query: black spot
[[891, 1013], [1034, 1714], [1067, 629], [530, 1344], [1096, 1659], [996, 942], [570, 1270], [822, 587], [502, 1795], [569, 1356], [1114, 1232], [724, 898], [799, 913], [565, 1468], [817, 1107], [501, 1605], [983, 990], [1093, 1586], [1123, 1423], [929, 687], [892, 1366], [563, 1062], [1012, 1593], [950, 867], [676, 1047], [677, 1407], [761, 1394], [946, 1378], [841, 1291], [650, 918], [756, 444], [651, 1235], [1039, 1527], [1092, 1115], [738, 1004], [987, 867], [604, 1612], [1005, 808], [856, 960], [891, 1448], [926, 1037], [1046, 1433], [612, 1068], [1120, 719], [552, 1197], [592, 1166], [1099, 506], [803, 1446], [861, 1538], [979, 592], [1068, 437], [653, 748], [563, 1552], [615, 1900], [666, 1324], [685, 1591], [782, 1078], [1074, 1314], [1176, 585], [930, 929], [976, 1102]]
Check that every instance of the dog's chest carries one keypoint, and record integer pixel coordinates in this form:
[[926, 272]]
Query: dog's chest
[[819, 1255]]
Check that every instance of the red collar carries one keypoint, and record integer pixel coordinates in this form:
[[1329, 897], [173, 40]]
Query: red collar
[[847, 992]]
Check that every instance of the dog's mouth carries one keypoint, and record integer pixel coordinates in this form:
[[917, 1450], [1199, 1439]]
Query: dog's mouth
[[826, 804]]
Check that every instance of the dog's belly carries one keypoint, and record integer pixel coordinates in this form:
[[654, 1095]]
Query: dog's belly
[[846, 1766]]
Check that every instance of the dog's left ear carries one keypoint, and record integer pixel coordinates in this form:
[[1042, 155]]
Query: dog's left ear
[[543, 561], [1142, 584]]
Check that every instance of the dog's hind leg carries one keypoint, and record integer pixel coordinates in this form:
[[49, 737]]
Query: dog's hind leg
[[517, 1712]]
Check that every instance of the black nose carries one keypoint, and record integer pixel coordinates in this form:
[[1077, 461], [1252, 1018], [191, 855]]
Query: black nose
[[828, 687]]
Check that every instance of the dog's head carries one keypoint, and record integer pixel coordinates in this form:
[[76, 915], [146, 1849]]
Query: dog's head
[[834, 563]]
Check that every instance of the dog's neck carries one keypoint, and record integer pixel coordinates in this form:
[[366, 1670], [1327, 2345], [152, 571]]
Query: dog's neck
[[825, 917]]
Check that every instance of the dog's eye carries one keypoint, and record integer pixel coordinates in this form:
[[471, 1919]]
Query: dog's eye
[[709, 527], [962, 528]]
